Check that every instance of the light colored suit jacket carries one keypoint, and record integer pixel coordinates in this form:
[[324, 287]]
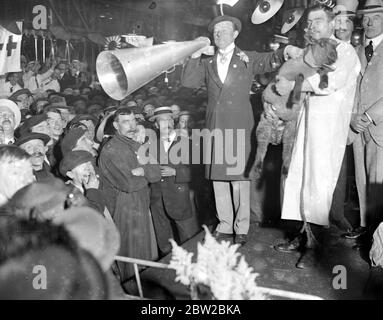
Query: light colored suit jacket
[[369, 93]]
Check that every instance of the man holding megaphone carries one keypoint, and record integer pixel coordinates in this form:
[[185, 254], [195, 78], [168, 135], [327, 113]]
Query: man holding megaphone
[[228, 77]]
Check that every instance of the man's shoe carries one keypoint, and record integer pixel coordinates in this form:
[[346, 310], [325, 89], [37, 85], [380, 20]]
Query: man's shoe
[[219, 236], [240, 239], [291, 246], [308, 260], [356, 233]]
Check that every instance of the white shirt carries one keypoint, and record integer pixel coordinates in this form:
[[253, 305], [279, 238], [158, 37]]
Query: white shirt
[[50, 84], [375, 41], [223, 61], [33, 83]]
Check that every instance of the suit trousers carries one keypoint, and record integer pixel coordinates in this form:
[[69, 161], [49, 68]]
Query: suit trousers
[[233, 208], [168, 228], [369, 178]]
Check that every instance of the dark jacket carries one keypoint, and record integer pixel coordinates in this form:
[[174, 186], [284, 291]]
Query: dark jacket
[[174, 190], [229, 106]]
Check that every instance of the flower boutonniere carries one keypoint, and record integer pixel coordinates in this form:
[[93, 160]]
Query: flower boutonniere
[[243, 57]]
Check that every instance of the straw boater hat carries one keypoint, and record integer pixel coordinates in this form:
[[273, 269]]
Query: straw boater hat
[[371, 6], [159, 111], [291, 18], [346, 8]]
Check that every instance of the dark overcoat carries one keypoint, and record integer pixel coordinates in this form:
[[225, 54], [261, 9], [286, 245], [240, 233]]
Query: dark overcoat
[[229, 110], [128, 197]]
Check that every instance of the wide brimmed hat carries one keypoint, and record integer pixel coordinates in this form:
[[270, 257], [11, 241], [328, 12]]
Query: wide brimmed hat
[[218, 19], [291, 18], [371, 6], [160, 111], [14, 108]]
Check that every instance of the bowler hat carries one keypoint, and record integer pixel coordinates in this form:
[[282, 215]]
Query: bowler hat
[[70, 139], [218, 19], [32, 136], [31, 122], [82, 117]]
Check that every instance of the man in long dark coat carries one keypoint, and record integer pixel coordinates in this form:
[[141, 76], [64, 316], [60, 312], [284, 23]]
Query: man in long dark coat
[[228, 77], [126, 190]]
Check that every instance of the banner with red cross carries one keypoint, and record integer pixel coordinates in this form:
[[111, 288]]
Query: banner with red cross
[[10, 46]]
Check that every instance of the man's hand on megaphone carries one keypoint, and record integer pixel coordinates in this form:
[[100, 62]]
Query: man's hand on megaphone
[[208, 49]]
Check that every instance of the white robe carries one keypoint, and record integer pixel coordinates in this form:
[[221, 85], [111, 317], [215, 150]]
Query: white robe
[[329, 117]]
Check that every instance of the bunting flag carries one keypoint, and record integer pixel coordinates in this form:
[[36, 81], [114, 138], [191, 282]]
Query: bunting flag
[[137, 40], [10, 46]]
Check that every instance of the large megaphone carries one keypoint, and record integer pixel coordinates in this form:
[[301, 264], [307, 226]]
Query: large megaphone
[[123, 71]]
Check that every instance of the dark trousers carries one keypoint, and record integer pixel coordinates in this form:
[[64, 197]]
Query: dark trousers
[[167, 228], [339, 196]]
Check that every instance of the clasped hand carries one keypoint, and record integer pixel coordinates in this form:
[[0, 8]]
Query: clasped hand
[[360, 123]]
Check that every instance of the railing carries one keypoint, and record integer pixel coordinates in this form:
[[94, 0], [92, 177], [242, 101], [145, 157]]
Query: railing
[[268, 291]]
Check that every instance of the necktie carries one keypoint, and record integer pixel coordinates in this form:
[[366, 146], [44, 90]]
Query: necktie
[[223, 56], [11, 89], [369, 51]]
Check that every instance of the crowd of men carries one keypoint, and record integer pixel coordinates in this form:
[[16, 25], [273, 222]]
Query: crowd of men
[[73, 180]]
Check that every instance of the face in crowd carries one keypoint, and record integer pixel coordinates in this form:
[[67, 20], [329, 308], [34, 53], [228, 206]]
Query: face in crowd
[[55, 124], [126, 125], [15, 175], [319, 25], [344, 26], [81, 174], [224, 34], [24, 101], [56, 74], [63, 68], [37, 150], [165, 124], [183, 121], [175, 109], [148, 110], [96, 110], [7, 120], [373, 24], [13, 78]]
